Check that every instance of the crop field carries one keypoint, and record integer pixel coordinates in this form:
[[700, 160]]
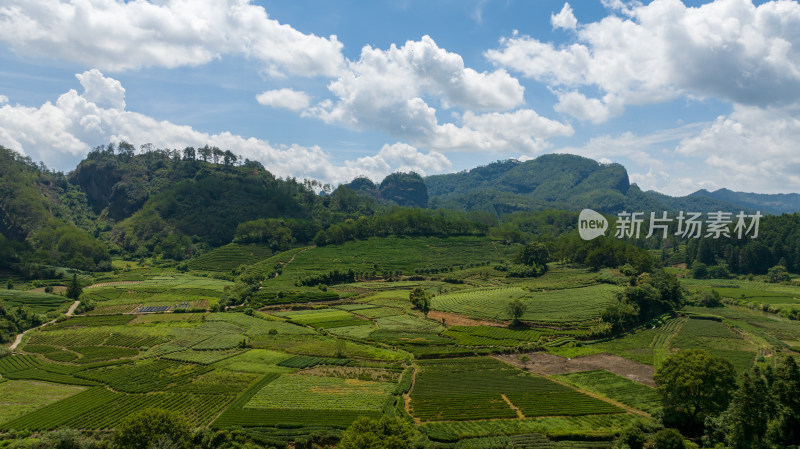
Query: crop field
[[469, 389], [159, 291], [202, 357], [297, 391], [19, 397], [390, 254], [616, 387], [256, 361], [592, 426], [559, 306], [219, 381], [501, 336], [253, 326], [649, 345], [38, 302], [228, 257], [305, 361], [99, 408], [714, 336], [144, 376], [286, 368], [236, 415], [324, 318], [772, 329]]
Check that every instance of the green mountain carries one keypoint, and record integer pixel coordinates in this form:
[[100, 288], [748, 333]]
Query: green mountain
[[557, 181], [779, 203], [44, 219]]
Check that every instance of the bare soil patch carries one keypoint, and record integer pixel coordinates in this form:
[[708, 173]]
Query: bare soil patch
[[548, 364], [454, 319]]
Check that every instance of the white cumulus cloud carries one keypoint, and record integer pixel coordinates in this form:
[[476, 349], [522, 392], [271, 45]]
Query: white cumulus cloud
[[284, 98], [118, 35], [395, 91], [565, 19], [727, 49], [61, 133]]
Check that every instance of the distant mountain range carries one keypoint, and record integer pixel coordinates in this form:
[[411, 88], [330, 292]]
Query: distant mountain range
[[564, 181], [779, 203]]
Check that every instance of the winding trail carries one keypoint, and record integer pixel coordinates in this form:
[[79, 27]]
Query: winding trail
[[292, 258], [407, 396], [18, 340]]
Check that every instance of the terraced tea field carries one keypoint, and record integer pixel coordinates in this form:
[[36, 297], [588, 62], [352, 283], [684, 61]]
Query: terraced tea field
[[616, 387], [484, 388], [570, 305], [298, 369]]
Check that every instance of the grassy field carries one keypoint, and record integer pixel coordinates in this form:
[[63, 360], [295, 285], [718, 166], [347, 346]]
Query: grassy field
[[38, 302], [569, 305], [20, 397]]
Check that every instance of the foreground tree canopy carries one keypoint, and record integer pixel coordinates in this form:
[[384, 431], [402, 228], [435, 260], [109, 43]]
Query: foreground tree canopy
[[694, 385]]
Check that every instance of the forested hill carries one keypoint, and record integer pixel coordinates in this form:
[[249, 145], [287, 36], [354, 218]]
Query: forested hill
[[44, 219], [560, 181], [778, 203]]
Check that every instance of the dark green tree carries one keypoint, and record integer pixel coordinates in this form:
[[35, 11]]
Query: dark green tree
[[749, 413], [153, 428], [420, 299], [785, 430], [516, 308], [533, 254], [632, 437], [74, 289], [668, 439], [368, 433], [694, 384]]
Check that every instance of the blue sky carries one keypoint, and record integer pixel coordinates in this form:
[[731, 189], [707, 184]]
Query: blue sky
[[686, 95]]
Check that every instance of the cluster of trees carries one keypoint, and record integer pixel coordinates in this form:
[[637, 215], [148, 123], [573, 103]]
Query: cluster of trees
[[279, 234], [14, 320], [648, 296], [778, 243], [402, 222], [420, 299], [331, 278], [601, 252], [701, 396]]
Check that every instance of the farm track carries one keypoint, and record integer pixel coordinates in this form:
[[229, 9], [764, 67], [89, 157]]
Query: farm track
[[407, 397], [293, 256], [513, 407], [18, 340]]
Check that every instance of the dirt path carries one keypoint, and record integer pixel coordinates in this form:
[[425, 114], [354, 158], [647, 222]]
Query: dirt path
[[72, 308], [407, 397], [18, 340], [293, 256], [513, 407]]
